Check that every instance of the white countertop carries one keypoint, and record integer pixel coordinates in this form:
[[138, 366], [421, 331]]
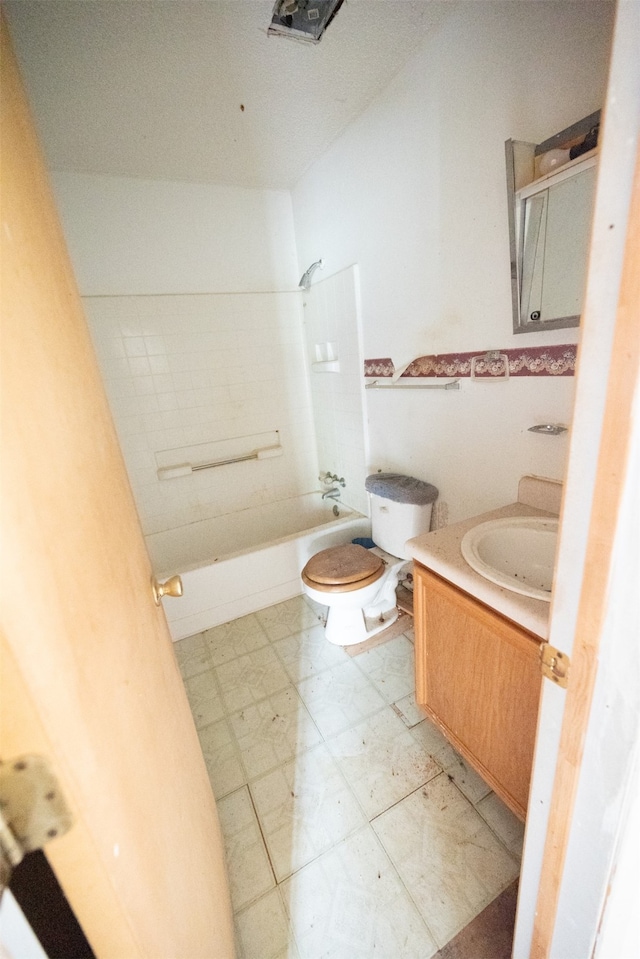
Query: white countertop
[[440, 552]]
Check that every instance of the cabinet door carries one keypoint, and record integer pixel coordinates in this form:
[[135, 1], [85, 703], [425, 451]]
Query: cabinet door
[[477, 675]]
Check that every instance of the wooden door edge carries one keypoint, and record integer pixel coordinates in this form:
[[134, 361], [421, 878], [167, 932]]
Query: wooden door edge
[[609, 487], [20, 722]]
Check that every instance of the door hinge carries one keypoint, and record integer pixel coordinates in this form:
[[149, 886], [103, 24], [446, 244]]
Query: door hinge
[[554, 665], [32, 811]]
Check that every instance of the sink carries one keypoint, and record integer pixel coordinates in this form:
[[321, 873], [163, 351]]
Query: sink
[[517, 553]]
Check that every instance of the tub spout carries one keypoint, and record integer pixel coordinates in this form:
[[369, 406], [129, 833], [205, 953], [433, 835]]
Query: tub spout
[[333, 493]]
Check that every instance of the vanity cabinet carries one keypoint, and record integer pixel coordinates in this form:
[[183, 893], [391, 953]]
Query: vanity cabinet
[[478, 678]]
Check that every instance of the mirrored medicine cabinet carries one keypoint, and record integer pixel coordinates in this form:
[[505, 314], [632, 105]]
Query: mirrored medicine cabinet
[[551, 188]]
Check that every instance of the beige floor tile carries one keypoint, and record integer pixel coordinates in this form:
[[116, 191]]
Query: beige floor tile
[[449, 859], [222, 758], [234, 639], [434, 743], [273, 731], [339, 697], [250, 678], [262, 930], [318, 608], [346, 896], [308, 652], [287, 618], [382, 761], [304, 808], [350, 904], [505, 825], [192, 654], [467, 780], [390, 668], [204, 698], [249, 870], [410, 713]]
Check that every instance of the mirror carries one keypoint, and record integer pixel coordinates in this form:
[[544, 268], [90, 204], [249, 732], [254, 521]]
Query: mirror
[[551, 191], [554, 249]]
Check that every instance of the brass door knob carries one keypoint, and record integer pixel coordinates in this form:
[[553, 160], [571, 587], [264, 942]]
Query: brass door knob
[[172, 587]]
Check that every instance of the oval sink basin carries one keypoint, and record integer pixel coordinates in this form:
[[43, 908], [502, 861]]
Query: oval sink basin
[[516, 552]]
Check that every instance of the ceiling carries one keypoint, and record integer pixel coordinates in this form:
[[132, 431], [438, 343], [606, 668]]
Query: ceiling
[[195, 89]]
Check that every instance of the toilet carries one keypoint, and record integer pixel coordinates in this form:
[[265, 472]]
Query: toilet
[[359, 585]]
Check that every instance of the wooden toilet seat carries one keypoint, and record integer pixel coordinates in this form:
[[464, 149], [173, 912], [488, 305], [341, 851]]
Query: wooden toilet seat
[[342, 569]]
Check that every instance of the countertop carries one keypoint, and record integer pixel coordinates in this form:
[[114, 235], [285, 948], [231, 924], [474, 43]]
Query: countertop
[[440, 552]]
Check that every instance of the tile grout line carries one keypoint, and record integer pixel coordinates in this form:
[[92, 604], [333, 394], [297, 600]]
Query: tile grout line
[[262, 836], [272, 769], [325, 740]]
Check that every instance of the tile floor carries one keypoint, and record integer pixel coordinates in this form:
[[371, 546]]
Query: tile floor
[[352, 827]]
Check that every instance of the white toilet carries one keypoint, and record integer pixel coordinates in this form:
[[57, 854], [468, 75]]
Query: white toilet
[[359, 585]]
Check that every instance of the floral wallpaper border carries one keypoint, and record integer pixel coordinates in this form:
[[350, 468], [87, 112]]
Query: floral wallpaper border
[[530, 361]]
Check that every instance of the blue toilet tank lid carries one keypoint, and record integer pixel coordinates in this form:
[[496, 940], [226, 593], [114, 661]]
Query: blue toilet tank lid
[[401, 489]]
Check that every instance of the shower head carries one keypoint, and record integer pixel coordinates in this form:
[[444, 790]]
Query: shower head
[[305, 279]]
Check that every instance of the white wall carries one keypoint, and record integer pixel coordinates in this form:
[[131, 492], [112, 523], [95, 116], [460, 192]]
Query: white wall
[[196, 345], [129, 236], [414, 192], [17, 938], [332, 316]]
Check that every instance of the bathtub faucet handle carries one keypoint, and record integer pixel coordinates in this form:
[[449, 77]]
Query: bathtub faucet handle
[[334, 478]]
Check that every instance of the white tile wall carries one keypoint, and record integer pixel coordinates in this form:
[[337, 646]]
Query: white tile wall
[[331, 315], [185, 370]]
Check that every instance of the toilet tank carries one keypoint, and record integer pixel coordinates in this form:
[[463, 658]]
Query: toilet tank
[[400, 509]]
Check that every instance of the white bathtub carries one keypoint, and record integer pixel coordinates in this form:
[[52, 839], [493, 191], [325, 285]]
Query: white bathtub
[[237, 564]]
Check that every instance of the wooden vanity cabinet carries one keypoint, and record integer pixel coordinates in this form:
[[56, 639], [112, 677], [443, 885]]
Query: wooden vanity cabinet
[[478, 677]]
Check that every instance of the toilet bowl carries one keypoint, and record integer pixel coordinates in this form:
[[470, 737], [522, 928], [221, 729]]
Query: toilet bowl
[[358, 585]]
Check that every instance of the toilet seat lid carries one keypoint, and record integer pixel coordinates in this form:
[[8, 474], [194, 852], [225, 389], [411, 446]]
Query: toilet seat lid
[[341, 565]]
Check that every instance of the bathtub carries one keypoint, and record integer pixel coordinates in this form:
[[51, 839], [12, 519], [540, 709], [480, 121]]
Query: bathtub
[[237, 564]]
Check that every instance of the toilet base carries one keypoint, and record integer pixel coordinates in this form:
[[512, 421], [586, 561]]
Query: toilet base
[[347, 627]]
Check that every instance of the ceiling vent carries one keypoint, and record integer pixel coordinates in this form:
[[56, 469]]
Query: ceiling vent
[[304, 20]]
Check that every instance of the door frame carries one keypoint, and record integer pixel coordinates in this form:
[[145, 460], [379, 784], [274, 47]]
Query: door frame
[[569, 849]]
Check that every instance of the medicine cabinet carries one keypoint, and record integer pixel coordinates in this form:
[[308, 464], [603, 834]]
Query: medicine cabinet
[[551, 188]]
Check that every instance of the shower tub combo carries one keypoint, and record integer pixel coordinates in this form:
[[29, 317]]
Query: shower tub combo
[[237, 564]]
